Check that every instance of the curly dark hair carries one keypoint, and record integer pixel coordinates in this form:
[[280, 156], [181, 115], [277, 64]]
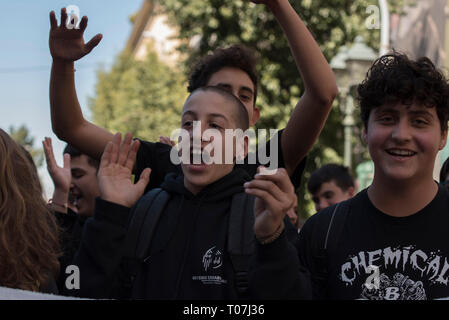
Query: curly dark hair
[[394, 78], [235, 56]]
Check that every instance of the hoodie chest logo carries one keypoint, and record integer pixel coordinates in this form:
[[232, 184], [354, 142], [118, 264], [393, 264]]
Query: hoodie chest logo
[[213, 258]]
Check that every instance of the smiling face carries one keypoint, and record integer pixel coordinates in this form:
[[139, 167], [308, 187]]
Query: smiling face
[[84, 186], [217, 113], [237, 82], [403, 142]]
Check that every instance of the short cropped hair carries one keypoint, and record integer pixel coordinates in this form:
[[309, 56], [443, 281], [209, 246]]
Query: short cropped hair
[[330, 172], [241, 114], [394, 78], [235, 56], [74, 153]]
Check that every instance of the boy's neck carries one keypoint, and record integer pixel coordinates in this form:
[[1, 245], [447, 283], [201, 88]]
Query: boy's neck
[[195, 189], [402, 198]]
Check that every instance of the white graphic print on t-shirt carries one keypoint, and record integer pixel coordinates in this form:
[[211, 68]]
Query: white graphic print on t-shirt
[[395, 273]]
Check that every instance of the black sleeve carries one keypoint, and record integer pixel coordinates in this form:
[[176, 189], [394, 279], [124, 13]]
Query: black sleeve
[[276, 273], [296, 176], [101, 251], [311, 251], [291, 232], [251, 168], [154, 155], [70, 238]]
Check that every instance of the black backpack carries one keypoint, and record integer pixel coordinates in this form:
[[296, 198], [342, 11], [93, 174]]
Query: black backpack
[[328, 242], [146, 214]]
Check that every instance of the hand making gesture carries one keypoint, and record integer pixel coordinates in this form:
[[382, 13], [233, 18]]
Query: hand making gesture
[[61, 176], [68, 44], [114, 175], [275, 195]]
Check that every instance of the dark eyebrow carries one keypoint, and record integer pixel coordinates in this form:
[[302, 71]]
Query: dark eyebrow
[[189, 112], [228, 86], [217, 115], [386, 110], [211, 115], [421, 112], [247, 89]]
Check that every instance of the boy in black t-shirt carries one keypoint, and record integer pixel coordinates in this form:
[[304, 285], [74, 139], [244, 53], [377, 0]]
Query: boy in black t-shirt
[[391, 240], [188, 257]]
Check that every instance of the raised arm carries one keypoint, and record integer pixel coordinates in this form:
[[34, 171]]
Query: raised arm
[[68, 123], [312, 110]]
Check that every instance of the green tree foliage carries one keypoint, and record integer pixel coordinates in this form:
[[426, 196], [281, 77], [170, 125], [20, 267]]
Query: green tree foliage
[[143, 97], [22, 136], [214, 23]]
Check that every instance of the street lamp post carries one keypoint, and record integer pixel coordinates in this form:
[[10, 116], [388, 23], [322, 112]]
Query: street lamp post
[[350, 66], [384, 27]]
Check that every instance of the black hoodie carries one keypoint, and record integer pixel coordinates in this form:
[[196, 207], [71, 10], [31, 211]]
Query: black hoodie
[[188, 256], [188, 252]]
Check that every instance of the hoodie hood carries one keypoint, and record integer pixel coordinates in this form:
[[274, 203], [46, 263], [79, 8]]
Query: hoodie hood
[[219, 190]]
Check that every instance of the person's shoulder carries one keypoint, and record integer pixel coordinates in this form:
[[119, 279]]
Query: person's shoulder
[[443, 192], [146, 146], [322, 218], [323, 215]]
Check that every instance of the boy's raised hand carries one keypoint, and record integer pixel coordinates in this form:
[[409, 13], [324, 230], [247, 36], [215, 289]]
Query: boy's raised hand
[[68, 44], [275, 195], [114, 175], [62, 177]]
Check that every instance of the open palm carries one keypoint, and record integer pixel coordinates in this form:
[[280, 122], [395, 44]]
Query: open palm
[[114, 175], [68, 44], [61, 176]]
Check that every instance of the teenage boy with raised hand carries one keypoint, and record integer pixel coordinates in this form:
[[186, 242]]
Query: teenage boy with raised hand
[[231, 69], [391, 240], [188, 256]]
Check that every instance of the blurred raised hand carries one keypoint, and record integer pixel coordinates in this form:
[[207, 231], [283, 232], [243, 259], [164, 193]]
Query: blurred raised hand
[[61, 176]]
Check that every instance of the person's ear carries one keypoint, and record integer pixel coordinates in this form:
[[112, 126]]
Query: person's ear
[[245, 146], [443, 139], [350, 192], [365, 135], [255, 117]]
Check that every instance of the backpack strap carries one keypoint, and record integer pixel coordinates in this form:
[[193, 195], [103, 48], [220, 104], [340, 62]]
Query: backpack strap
[[139, 213], [328, 244], [241, 238], [150, 223], [146, 213]]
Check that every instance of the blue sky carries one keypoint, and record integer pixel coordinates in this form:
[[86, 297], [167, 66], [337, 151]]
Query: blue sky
[[25, 60]]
